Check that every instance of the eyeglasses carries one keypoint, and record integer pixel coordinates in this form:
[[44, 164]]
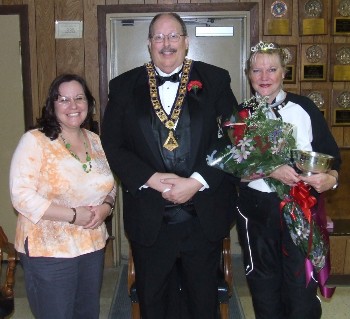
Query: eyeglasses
[[172, 37], [65, 101]]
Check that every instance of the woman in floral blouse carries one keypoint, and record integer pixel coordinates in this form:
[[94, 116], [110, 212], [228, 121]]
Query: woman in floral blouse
[[63, 189]]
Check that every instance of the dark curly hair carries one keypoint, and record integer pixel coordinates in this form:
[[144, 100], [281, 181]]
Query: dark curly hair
[[48, 123]]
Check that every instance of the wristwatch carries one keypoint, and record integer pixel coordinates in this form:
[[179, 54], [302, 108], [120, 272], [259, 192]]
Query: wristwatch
[[336, 182]]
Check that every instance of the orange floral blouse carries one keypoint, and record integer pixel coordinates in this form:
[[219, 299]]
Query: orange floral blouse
[[44, 172]]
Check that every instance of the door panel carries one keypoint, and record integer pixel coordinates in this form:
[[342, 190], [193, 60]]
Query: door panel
[[228, 52]]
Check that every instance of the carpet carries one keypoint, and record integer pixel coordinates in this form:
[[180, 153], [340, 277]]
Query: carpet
[[121, 305]]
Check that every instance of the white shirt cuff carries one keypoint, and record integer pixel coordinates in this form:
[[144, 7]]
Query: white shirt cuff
[[200, 179]]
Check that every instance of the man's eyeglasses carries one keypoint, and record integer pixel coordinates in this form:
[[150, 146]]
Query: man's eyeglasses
[[172, 37], [65, 101]]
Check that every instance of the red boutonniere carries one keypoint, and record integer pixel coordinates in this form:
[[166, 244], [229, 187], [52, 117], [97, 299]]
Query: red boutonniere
[[195, 86]]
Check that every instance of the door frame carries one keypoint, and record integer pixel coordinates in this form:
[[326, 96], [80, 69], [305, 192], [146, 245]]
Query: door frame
[[104, 10], [22, 12]]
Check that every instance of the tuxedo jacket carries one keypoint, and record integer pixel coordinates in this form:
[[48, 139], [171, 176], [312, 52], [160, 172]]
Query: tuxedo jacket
[[134, 155]]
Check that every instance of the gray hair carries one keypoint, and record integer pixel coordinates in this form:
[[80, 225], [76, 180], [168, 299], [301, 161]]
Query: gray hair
[[170, 14]]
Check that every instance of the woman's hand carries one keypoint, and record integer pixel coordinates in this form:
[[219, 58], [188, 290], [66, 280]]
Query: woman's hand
[[286, 174], [100, 213], [320, 182], [84, 216]]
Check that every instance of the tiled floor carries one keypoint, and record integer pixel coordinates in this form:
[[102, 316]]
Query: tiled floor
[[338, 307]]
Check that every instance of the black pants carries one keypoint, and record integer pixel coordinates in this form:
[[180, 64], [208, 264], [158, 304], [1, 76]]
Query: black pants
[[274, 266], [154, 269]]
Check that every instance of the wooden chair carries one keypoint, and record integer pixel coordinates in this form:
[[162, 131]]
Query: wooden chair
[[6, 288], [224, 288]]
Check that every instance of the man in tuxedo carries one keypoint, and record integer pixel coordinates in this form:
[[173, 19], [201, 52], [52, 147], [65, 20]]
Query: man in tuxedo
[[161, 121]]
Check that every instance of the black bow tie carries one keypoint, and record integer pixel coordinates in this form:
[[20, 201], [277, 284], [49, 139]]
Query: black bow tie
[[172, 78]]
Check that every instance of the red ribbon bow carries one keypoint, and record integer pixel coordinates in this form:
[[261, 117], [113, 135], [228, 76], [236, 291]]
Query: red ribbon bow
[[301, 194]]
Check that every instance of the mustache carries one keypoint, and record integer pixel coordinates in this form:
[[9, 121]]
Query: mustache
[[167, 50]]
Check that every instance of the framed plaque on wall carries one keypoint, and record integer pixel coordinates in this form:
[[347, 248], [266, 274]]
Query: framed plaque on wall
[[312, 17], [341, 108], [278, 17], [314, 62], [290, 52], [320, 97], [340, 62], [341, 17]]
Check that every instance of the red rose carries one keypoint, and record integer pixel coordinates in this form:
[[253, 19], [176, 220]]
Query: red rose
[[244, 114], [195, 86], [239, 131]]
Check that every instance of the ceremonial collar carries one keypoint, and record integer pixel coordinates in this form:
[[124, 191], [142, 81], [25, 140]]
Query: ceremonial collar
[[170, 120]]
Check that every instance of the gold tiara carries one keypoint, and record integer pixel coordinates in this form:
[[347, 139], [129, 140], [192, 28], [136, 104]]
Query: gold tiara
[[263, 46]]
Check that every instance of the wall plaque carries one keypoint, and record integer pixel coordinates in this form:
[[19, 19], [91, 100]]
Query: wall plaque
[[340, 62], [312, 17], [290, 52], [321, 98], [277, 17], [313, 62], [341, 108], [341, 17]]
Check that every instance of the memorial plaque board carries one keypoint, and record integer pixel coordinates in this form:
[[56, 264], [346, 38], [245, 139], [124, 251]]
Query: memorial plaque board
[[312, 17], [341, 108], [277, 17], [314, 62], [341, 17], [320, 97], [340, 62], [291, 63]]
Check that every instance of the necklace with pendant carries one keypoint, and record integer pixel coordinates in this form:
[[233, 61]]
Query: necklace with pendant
[[169, 121], [87, 166]]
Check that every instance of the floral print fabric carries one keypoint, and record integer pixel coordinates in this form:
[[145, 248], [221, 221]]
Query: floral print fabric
[[44, 172]]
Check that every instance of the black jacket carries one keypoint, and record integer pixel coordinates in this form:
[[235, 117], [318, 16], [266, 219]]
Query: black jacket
[[134, 157]]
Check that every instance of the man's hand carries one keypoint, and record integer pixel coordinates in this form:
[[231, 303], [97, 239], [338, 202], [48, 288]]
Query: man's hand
[[155, 181], [182, 189]]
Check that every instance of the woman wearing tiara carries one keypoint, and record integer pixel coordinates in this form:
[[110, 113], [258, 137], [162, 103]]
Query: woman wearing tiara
[[274, 265]]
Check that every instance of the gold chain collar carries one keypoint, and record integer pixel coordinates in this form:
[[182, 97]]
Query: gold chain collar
[[168, 120]]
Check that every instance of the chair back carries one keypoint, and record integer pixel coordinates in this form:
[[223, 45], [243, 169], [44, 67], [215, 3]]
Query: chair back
[[6, 288]]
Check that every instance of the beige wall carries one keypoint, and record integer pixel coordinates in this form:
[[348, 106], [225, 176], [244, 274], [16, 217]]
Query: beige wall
[[11, 112]]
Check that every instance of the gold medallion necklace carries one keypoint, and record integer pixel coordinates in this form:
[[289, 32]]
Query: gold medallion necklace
[[169, 121], [87, 166]]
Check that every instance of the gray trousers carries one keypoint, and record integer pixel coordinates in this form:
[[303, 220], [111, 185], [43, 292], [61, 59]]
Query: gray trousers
[[64, 288]]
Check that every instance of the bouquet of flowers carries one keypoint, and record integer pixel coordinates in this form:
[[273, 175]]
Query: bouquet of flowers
[[258, 146], [306, 233]]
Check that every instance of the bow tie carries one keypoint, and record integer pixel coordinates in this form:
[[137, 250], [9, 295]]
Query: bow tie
[[172, 78]]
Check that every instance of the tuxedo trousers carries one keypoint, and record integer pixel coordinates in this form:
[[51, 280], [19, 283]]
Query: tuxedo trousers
[[181, 244], [274, 265]]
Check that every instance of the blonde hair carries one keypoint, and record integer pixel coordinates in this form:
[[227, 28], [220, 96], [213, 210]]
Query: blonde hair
[[268, 48]]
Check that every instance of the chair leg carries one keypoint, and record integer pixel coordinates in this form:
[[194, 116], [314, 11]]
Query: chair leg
[[135, 311], [224, 308]]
